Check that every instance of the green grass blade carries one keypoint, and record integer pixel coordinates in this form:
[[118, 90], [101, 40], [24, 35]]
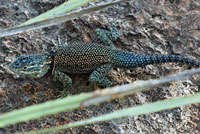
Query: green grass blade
[[54, 19], [132, 111], [86, 99], [40, 110], [63, 8]]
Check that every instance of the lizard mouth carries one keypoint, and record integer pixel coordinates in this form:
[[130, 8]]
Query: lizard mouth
[[12, 68], [25, 71]]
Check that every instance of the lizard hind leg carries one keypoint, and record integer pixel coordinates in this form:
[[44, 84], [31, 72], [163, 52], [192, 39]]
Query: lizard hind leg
[[98, 76], [65, 80], [106, 37]]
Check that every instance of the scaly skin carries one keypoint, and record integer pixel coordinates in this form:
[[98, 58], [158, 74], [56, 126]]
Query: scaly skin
[[79, 58]]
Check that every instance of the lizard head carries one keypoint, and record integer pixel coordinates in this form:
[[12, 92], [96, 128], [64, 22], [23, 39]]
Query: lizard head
[[34, 66]]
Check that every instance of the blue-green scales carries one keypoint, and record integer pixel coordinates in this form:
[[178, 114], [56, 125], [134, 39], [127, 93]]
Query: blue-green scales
[[79, 58]]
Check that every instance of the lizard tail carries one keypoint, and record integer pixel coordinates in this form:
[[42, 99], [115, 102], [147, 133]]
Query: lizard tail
[[130, 60]]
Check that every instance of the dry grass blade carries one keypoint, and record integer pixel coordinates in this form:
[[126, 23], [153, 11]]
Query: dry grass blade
[[86, 99], [136, 87], [57, 19]]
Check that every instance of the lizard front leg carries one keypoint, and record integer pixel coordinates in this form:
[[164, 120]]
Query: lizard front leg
[[65, 79], [98, 76], [106, 37]]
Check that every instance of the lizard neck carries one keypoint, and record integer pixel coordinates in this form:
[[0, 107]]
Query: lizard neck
[[44, 65], [51, 59], [48, 64]]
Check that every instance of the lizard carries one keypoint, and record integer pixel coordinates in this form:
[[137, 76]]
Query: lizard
[[95, 58]]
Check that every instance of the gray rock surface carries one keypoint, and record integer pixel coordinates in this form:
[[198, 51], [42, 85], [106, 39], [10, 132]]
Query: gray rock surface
[[146, 27]]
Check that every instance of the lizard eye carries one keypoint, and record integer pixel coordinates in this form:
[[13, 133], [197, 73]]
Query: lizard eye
[[23, 58], [25, 67]]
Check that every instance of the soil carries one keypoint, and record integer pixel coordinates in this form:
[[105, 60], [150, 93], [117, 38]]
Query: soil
[[146, 27]]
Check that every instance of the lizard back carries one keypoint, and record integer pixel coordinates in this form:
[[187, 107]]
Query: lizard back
[[80, 58]]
